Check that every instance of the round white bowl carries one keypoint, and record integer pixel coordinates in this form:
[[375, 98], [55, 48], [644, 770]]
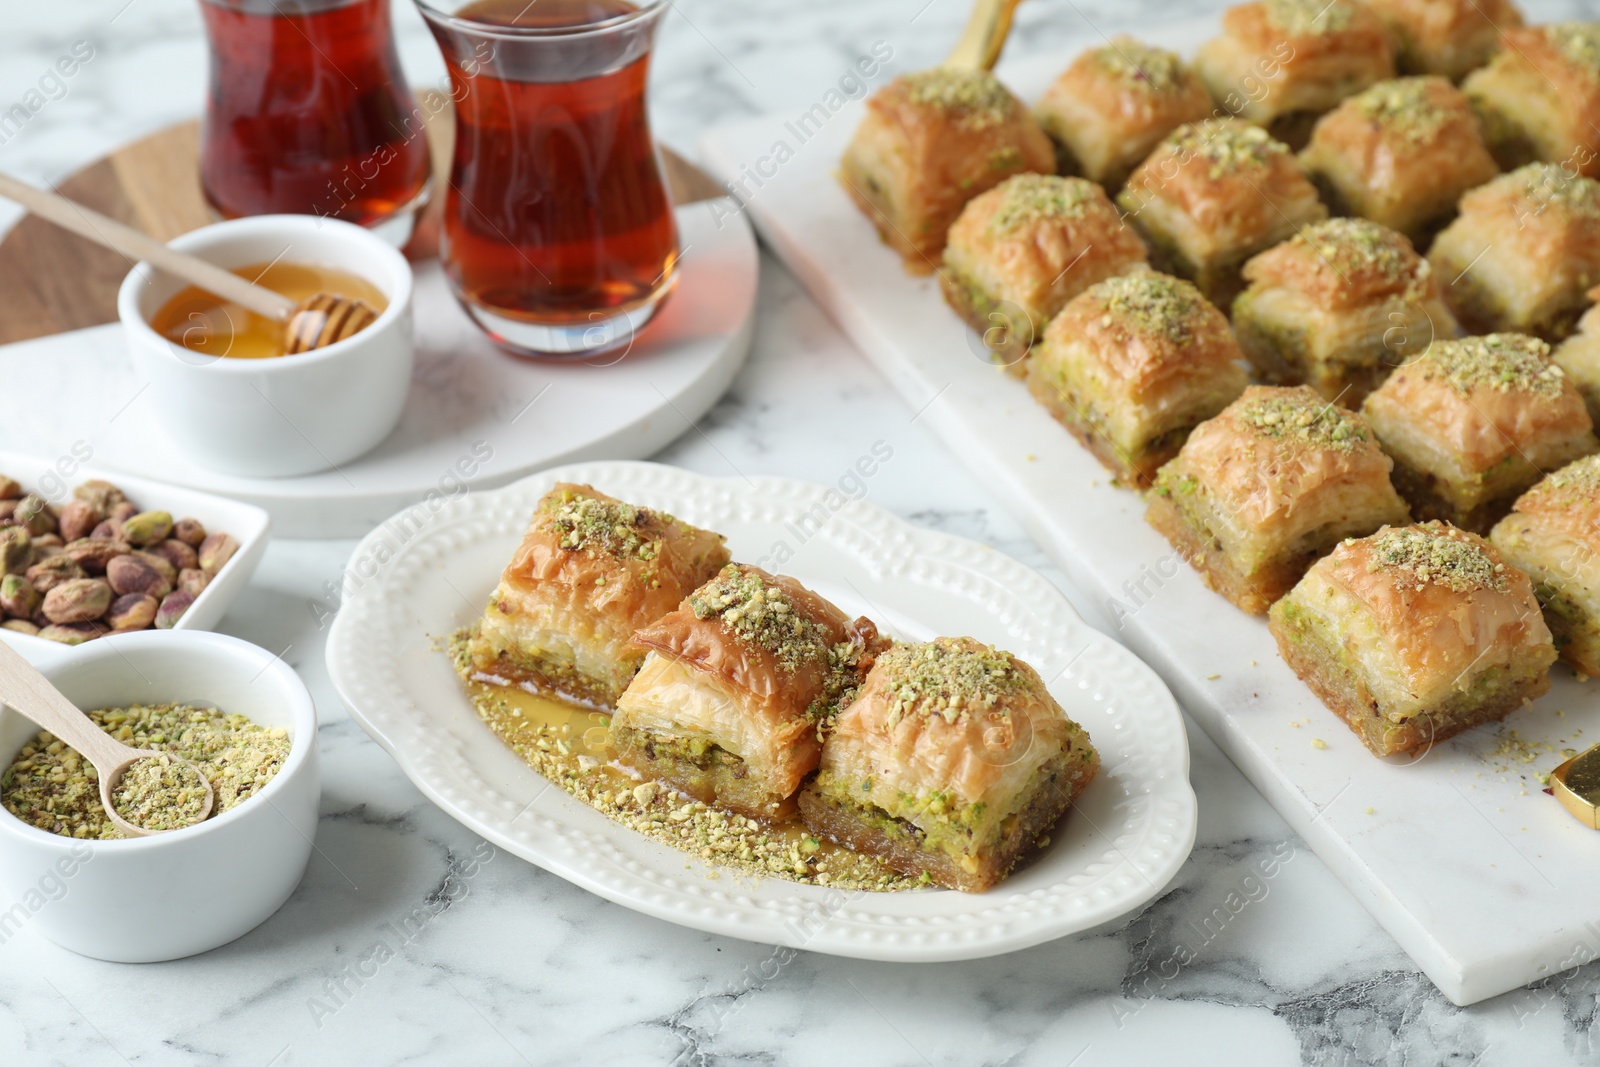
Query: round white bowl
[[170, 895], [294, 415]]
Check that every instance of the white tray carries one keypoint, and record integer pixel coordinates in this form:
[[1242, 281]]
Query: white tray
[[1482, 878], [1114, 851], [476, 417]]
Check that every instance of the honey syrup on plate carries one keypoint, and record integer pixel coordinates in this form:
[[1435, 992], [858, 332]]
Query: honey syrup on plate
[[212, 326]]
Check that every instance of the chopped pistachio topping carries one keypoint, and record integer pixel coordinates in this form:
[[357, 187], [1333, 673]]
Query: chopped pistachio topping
[[1405, 106], [947, 678], [50, 786], [1027, 198], [1227, 144], [623, 531], [764, 615], [1300, 417], [1352, 246], [160, 793], [1551, 186], [1576, 483], [1578, 43], [1152, 304], [1437, 554], [1139, 66], [1503, 361], [1303, 17], [976, 96]]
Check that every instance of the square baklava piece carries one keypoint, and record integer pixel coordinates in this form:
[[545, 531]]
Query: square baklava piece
[[1472, 423], [1212, 195], [1337, 307], [1400, 153], [931, 141], [589, 572], [1261, 491], [1023, 249], [1114, 104], [1540, 95], [737, 688], [1283, 63], [1451, 38], [1553, 535], [1523, 253], [950, 764], [1579, 357], [1415, 634], [1132, 365]]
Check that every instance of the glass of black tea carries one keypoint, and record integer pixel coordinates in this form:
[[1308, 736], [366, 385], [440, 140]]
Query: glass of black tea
[[558, 236]]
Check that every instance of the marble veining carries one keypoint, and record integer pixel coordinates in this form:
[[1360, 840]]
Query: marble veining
[[411, 941]]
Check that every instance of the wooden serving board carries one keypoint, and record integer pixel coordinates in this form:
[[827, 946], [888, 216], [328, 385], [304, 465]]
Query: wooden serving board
[[56, 281]]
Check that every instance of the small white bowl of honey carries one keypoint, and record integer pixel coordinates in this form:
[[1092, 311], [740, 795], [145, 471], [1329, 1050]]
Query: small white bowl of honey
[[224, 388]]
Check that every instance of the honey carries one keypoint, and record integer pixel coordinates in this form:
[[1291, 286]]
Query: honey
[[212, 326]]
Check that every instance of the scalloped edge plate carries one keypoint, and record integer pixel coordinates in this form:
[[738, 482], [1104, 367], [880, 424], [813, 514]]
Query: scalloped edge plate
[[426, 572]]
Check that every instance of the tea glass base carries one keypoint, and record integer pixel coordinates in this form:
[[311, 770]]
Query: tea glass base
[[607, 336]]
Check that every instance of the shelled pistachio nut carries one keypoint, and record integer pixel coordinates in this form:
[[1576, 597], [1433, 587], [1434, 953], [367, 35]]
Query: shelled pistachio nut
[[147, 528], [80, 600]]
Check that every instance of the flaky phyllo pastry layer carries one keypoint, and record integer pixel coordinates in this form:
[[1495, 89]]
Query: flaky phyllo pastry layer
[[590, 571], [737, 688]]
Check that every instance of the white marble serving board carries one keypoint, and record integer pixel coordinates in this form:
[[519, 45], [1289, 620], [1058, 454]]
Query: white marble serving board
[[476, 417], [1482, 878]]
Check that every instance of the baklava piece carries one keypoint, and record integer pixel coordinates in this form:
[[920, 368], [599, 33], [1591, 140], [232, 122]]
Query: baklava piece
[[1111, 107], [1268, 486], [1020, 251], [930, 142], [1553, 535], [1132, 365], [1415, 634], [1283, 63], [737, 688], [1539, 97], [950, 764], [1523, 253], [1472, 423], [1212, 195], [1400, 153], [1451, 38], [1338, 307], [1579, 357], [589, 572]]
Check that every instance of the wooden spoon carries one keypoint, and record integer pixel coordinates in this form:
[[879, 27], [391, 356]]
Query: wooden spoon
[[24, 690], [312, 323], [980, 43]]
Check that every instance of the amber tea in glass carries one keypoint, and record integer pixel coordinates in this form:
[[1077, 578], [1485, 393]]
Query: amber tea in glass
[[558, 235]]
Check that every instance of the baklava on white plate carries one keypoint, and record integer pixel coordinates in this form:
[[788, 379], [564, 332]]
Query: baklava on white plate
[[739, 684], [1212, 195], [1472, 423], [1446, 37], [931, 141], [1400, 153], [1540, 96], [1415, 634], [1114, 103], [952, 762], [1023, 249], [1282, 63], [590, 571], [1133, 364], [1265, 488], [1523, 253], [1337, 307]]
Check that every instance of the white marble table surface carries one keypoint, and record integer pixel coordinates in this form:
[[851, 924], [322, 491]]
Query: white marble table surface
[[516, 966]]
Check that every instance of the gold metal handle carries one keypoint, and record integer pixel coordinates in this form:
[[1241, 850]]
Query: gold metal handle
[[984, 37]]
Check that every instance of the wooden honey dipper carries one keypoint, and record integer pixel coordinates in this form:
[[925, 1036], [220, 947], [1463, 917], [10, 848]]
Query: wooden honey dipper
[[315, 322]]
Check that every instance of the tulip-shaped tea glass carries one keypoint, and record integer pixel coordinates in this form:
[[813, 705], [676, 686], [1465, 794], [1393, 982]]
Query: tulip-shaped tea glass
[[308, 113], [558, 234]]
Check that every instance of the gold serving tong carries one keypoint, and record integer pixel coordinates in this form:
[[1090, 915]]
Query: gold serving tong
[[1576, 783], [986, 32]]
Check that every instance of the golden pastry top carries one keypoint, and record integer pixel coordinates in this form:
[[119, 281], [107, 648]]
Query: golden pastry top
[[1028, 198], [763, 613], [1298, 419], [1432, 553], [1313, 28], [1577, 44], [1344, 261], [950, 677], [1535, 190], [1414, 108], [1140, 67], [1504, 362], [1227, 144], [973, 98], [1569, 496], [1314, 17], [600, 524]]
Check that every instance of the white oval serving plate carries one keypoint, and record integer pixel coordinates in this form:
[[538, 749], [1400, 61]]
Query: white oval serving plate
[[249, 525], [422, 574]]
